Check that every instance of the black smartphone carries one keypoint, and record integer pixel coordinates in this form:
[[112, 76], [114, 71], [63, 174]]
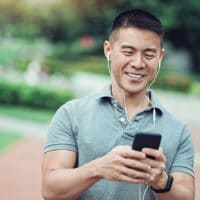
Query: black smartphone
[[150, 140]]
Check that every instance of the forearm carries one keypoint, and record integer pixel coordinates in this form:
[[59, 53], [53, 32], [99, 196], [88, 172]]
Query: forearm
[[177, 192], [69, 184]]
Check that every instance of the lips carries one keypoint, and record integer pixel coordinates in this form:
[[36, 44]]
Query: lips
[[134, 75]]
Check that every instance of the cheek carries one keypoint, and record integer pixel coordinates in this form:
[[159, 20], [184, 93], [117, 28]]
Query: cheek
[[117, 65], [153, 68], [152, 72], [115, 69]]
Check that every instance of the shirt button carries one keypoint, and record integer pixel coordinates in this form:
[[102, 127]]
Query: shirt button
[[115, 105], [122, 119]]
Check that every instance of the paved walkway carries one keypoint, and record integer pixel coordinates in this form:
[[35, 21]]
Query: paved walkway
[[22, 127], [20, 171], [185, 107]]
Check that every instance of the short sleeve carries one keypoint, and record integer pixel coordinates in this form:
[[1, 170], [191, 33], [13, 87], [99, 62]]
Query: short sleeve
[[184, 159], [60, 135]]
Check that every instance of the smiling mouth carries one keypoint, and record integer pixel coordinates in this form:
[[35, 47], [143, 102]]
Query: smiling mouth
[[135, 76]]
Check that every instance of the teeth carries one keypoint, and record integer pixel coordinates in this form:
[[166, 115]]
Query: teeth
[[135, 75]]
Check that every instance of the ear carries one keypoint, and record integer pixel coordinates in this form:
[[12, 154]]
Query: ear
[[162, 53], [107, 49]]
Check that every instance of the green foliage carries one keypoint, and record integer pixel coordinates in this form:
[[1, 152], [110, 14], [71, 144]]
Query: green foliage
[[173, 81], [41, 19], [93, 64], [68, 20], [32, 96], [7, 139], [18, 52], [195, 88]]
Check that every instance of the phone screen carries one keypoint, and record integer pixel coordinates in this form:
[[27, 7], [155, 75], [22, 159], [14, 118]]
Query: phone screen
[[149, 140]]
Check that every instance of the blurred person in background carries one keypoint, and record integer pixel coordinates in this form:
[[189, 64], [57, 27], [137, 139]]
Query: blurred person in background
[[88, 154]]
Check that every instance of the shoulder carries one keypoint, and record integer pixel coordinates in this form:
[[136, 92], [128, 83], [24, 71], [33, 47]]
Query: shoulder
[[82, 103], [79, 105]]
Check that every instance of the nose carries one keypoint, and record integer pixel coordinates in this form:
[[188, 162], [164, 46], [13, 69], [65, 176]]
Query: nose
[[137, 61]]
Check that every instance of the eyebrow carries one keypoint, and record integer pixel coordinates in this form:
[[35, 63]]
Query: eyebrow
[[153, 50], [125, 46]]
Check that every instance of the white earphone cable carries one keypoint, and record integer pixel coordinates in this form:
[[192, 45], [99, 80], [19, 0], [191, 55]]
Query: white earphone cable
[[108, 65], [145, 191], [158, 70]]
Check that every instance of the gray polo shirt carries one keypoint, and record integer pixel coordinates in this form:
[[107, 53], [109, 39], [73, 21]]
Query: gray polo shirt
[[93, 125]]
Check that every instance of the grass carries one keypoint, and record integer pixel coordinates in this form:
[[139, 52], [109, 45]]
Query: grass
[[7, 139], [35, 115]]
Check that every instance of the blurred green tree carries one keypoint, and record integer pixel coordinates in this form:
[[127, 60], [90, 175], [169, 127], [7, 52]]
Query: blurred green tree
[[181, 20], [68, 20]]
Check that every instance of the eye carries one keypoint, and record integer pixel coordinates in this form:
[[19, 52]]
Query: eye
[[128, 53], [149, 56]]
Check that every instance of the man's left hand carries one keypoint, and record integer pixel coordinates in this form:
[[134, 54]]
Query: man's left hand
[[158, 177]]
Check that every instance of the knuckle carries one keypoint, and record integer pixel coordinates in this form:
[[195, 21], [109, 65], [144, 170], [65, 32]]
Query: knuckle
[[117, 161], [159, 172], [132, 175], [162, 166], [115, 177], [152, 178], [158, 154]]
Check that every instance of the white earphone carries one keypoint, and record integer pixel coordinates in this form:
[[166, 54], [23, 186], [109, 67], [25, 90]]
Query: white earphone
[[159, 64], [108, 62], [108, 56]]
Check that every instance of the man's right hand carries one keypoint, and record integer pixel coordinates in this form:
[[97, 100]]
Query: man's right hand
[[122, 164]]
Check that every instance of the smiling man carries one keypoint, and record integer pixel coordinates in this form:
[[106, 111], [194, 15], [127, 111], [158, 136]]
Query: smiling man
[[88, 154], [135, 55]]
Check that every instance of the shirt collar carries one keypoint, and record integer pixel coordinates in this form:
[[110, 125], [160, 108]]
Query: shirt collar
[[155, 101], [105, 94]]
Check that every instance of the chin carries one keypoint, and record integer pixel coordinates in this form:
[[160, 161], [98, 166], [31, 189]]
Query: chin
[[135, 89]]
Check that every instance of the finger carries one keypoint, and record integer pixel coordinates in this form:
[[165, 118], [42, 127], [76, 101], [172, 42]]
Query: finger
[[131, 172], [155, 164], [131, 180], [157, 179], [157, 154], [136, 164], [155, 173], [128, 152], [121, 173]]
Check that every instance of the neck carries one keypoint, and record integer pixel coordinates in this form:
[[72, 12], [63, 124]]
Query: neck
[[132, 103]]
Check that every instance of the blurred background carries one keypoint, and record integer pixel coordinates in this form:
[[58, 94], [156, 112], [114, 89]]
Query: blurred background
[[51, 51]]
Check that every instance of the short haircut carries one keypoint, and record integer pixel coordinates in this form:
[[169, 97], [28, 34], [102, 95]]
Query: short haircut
[[137, 18]]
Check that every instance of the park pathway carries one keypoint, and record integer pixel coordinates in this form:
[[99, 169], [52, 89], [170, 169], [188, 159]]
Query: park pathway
[[20, 170]]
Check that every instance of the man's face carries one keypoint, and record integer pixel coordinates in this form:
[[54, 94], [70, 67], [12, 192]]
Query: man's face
[[134, 56]]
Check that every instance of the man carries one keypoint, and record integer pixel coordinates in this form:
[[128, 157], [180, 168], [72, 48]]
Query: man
[[88, 154]]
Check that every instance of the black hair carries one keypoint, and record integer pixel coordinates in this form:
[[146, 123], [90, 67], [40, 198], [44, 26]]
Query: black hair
[[137, 18]]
